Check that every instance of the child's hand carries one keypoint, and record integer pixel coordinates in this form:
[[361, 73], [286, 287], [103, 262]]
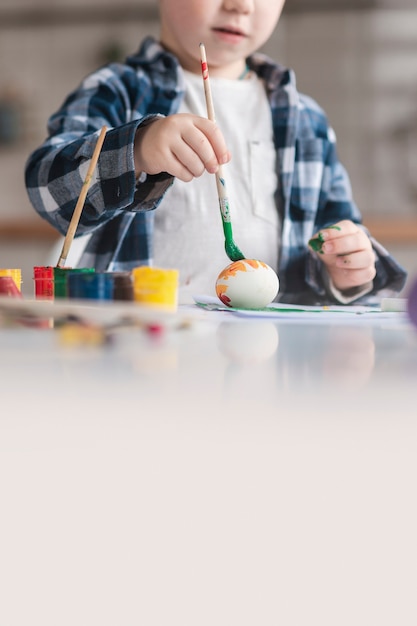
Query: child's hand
[[183, 145], [347, 253]]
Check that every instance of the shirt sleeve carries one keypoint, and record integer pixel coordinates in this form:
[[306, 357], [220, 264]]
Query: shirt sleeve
[[348, 296], [55, 172], [339, 205]]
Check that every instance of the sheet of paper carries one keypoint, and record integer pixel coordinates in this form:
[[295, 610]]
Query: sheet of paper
[[304, 313]]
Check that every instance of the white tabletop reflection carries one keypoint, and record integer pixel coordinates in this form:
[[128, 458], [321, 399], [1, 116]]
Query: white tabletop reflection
[[225, 471]]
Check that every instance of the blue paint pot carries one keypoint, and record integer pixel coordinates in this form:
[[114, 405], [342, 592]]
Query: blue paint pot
[[61, 279], [90, 286]]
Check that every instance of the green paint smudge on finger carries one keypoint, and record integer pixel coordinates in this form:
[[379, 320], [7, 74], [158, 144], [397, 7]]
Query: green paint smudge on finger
[[317, 242]]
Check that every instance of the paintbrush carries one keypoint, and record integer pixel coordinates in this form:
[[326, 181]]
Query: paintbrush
[[231, 248], [81, 200]]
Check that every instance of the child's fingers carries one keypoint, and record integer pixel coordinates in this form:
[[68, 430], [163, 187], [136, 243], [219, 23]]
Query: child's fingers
[[182, 145], [184, 164], [355, 260], [189, 159], [342, 238], [317, 241], [212, 147], [346, 251], [204, 150], [340, 229], [347, 244], [347, 278]]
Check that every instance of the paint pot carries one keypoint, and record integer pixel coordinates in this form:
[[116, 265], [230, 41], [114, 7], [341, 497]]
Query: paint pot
[[43, 275], [90, 285], [157, 287], [412, 303], [61, 276], [123, 286], [16, 274], [9, 288]]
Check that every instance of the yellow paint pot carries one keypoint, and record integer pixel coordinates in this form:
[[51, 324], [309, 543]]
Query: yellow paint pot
[[16, 274], [154, 286]]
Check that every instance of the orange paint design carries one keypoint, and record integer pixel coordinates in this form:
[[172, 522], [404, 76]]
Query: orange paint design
[[255, 264], [240, 266], [221, 294]]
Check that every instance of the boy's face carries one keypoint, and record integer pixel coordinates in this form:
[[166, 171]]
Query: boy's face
[[229, 29]]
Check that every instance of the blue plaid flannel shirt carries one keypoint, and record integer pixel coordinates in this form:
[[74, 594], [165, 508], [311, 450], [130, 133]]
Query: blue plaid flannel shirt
[[314, 189]]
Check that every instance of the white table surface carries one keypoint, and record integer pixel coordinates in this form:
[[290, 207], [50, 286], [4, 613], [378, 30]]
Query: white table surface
[[237, 471]]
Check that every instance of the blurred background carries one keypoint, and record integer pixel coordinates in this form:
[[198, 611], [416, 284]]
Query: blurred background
[[358, 58]]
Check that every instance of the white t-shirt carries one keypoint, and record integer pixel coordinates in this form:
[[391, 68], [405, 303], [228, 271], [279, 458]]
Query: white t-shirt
[[188, 227]]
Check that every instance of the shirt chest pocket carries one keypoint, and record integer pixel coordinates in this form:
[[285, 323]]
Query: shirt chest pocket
[[308, 176]]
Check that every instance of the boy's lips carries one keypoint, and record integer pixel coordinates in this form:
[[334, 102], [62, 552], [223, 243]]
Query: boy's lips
[[229, 31]]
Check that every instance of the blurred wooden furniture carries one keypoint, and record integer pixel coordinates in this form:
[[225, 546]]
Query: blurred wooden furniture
[[30, 230], [386, 230], [393, 229]]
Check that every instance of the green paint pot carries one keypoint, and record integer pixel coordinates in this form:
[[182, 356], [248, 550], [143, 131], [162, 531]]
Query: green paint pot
[[61, 276]]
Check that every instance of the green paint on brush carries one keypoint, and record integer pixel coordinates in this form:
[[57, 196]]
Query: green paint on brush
[[232, 250], [316, 243]]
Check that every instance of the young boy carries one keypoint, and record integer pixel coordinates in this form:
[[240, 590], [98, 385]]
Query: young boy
[[153, 199]]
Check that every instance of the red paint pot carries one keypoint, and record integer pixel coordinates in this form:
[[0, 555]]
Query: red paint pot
[[44, 282]]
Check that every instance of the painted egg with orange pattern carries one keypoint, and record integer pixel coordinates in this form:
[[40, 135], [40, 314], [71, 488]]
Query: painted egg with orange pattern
[[247, 284]]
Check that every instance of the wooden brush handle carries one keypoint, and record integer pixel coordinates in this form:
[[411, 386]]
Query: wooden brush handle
[[81, 200]]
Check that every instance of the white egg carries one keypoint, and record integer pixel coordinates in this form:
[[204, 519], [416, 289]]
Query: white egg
[[247, 284]]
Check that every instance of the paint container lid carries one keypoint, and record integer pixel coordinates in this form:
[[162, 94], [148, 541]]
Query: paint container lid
[[60, 278], [8, 287], [43, 271], [90, 286]]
